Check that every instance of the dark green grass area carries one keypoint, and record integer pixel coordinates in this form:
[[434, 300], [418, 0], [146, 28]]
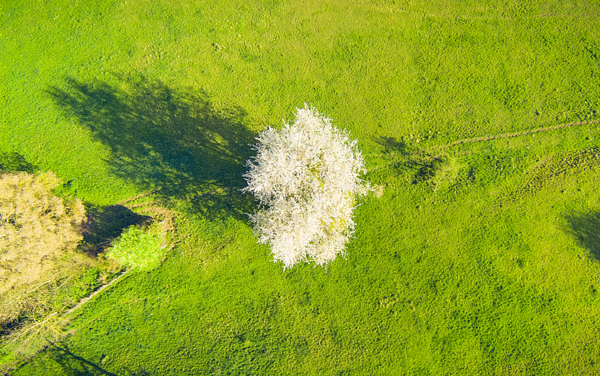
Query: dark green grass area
[[481, 258]]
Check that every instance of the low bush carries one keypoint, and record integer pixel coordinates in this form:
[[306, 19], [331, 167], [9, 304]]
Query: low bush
[[141, 248]]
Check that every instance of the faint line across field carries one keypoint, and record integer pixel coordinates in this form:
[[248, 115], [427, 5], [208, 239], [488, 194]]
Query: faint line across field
[[102, 288], [509, 135], [478, 139]]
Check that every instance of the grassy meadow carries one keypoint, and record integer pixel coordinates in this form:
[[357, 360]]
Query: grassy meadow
[[480, 258]]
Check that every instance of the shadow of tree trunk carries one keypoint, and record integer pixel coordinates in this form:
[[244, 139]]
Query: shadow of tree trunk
[[72, 364]]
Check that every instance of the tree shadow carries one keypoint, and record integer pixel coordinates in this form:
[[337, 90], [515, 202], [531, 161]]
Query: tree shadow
[[405, 159], [585, 228], [392, 145], [71, 364], [173, 142], [15, 162], [75, 365], [104, 224]]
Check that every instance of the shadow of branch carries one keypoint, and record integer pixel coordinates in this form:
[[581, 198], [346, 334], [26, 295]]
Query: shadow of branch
[[416, 165], [394, 146], [171, 141], [72, 364]]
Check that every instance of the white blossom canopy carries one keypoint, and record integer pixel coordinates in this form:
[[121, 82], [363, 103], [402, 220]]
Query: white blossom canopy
[[306, 178]]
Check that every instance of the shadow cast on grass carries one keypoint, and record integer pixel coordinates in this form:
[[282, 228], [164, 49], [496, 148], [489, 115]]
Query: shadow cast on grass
[[405, 159], [586, 229], [391, 145], [74, 365], [173, 142], [104, 224], [15, 162]]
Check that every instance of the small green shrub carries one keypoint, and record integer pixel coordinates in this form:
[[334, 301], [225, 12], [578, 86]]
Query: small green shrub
[[139, 248]]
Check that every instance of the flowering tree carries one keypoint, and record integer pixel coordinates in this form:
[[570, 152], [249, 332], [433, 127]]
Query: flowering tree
[[306, 178]]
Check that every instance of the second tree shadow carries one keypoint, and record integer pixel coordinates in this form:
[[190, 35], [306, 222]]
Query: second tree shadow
[[174, 142], [585, 228]]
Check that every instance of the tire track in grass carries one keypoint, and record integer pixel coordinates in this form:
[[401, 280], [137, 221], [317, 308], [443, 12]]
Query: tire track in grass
[[510, 135], [98, 291], [425, 154], [554, 166]]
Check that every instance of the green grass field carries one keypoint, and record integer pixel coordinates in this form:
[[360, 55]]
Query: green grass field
[[480, 258]]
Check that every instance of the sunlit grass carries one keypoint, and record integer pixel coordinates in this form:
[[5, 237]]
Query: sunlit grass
[[480, 258]]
